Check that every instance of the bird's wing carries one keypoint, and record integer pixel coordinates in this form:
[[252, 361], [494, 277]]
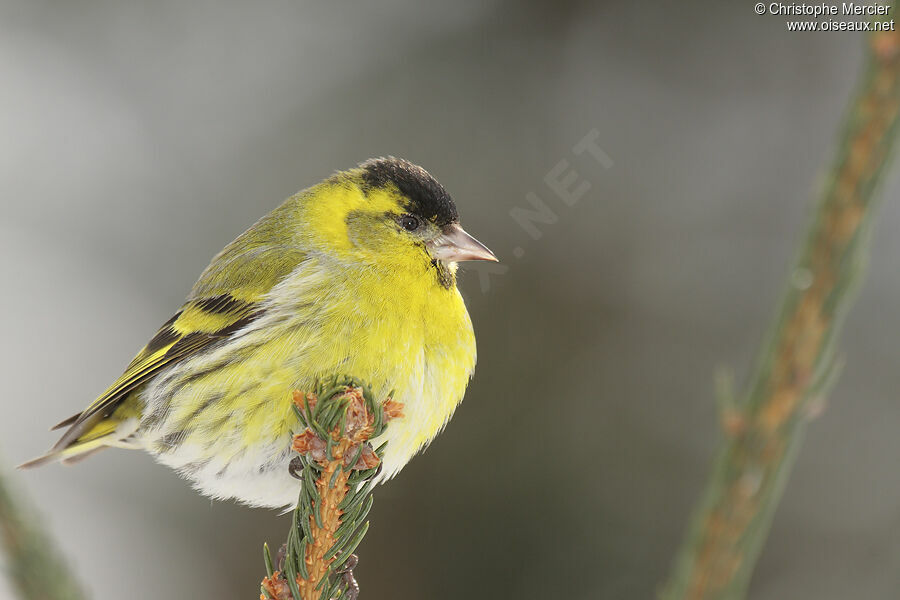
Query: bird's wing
[[227, 297], [199, 324]]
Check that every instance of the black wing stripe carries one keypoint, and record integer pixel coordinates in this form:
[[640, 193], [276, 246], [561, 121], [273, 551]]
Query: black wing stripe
[[223, 304], [188, 345], [165, 336]]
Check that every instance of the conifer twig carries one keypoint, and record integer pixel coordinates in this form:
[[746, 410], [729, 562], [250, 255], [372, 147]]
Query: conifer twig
[[336, 467], [34, 565], [796, 365]]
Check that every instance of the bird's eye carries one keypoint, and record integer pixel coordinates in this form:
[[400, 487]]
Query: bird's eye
[[409, 222]]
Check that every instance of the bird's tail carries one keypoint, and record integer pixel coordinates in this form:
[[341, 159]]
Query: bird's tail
[[109, 432]]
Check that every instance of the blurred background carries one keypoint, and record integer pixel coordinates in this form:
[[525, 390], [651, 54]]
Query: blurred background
[[140, 138]]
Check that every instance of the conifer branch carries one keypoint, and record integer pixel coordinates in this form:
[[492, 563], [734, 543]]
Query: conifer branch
[[34, 566], [336, 466], [796, 364]]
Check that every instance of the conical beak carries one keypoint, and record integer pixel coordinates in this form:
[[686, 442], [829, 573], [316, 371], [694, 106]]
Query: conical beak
[[455, 245]]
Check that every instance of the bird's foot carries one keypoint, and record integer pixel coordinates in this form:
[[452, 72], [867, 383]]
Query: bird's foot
[[279, 558], [295, 468], [346, 572]]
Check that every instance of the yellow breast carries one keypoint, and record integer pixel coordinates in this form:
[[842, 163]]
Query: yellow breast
[[400, 335], [325, 319]]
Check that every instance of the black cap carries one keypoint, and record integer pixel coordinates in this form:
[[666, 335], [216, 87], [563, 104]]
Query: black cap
[[427, 198]]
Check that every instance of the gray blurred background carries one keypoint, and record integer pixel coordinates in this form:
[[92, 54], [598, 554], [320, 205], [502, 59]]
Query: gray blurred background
[[139, 138]]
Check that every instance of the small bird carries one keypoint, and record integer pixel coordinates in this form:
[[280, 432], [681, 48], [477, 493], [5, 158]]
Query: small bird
[[355, 275]]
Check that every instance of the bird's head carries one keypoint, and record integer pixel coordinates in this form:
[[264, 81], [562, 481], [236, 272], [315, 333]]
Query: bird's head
[[391, 213]]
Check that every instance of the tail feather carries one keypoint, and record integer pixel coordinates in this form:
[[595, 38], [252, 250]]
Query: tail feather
[[40, 460], [71, 420], [77, 458], [66, 456], [104, 434]]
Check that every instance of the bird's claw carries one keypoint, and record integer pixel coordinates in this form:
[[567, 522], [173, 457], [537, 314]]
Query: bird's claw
[[280, 557], [295, 468], [351, 586]]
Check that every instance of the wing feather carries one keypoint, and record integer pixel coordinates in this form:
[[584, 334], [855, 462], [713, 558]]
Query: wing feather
[[198, 325], [227, 297]]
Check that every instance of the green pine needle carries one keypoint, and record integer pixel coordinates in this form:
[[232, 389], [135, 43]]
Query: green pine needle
[[329, 415]]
